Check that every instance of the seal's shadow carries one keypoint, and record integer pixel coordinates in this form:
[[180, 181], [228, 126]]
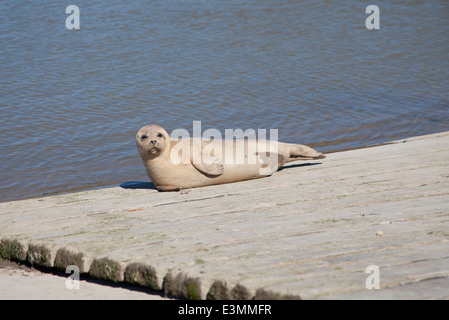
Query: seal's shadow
[[138, 185], [298, 165]]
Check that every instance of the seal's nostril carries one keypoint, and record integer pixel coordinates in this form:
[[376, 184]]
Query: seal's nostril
[[153, 141]]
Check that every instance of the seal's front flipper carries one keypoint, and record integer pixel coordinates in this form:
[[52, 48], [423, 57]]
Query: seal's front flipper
[[301, 152], [210, 166]]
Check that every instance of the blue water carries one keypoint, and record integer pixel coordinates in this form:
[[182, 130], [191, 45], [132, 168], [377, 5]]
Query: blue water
[[71, 101]]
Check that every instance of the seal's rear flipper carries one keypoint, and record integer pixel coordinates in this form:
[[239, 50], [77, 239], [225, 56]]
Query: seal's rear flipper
[[301, 152]]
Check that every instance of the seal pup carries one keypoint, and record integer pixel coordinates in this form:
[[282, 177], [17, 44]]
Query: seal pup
[[173, 165]]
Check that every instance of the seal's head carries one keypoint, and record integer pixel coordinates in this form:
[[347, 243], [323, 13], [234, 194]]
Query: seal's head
[[152, 141]]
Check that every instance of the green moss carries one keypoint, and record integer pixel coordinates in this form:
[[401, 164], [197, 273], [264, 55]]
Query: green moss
[[218, 291], [12, 250], [17, 251], [4, 250], [141, 274], [65, 258], [181, 286], [240, 292], [194, 291], [38, 255], [283, 204], [105, 269]]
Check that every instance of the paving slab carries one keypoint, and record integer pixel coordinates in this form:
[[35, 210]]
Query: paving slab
[[310, 230]]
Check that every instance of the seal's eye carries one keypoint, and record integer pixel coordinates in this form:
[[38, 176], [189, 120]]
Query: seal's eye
[[144, 137], [159, 135]]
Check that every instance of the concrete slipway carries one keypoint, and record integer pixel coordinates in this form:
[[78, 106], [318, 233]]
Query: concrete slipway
[[310, 230]]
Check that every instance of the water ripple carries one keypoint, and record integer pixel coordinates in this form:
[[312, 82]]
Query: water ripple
[[72, 101]]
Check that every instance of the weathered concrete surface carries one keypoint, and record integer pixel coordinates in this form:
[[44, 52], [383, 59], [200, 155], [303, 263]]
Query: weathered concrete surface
[[308, 230]]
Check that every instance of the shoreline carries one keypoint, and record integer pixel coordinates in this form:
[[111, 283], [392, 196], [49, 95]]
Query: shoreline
[[101, 186], [309, 231]]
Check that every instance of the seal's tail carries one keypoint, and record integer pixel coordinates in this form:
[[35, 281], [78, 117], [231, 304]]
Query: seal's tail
[[301, 152]]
